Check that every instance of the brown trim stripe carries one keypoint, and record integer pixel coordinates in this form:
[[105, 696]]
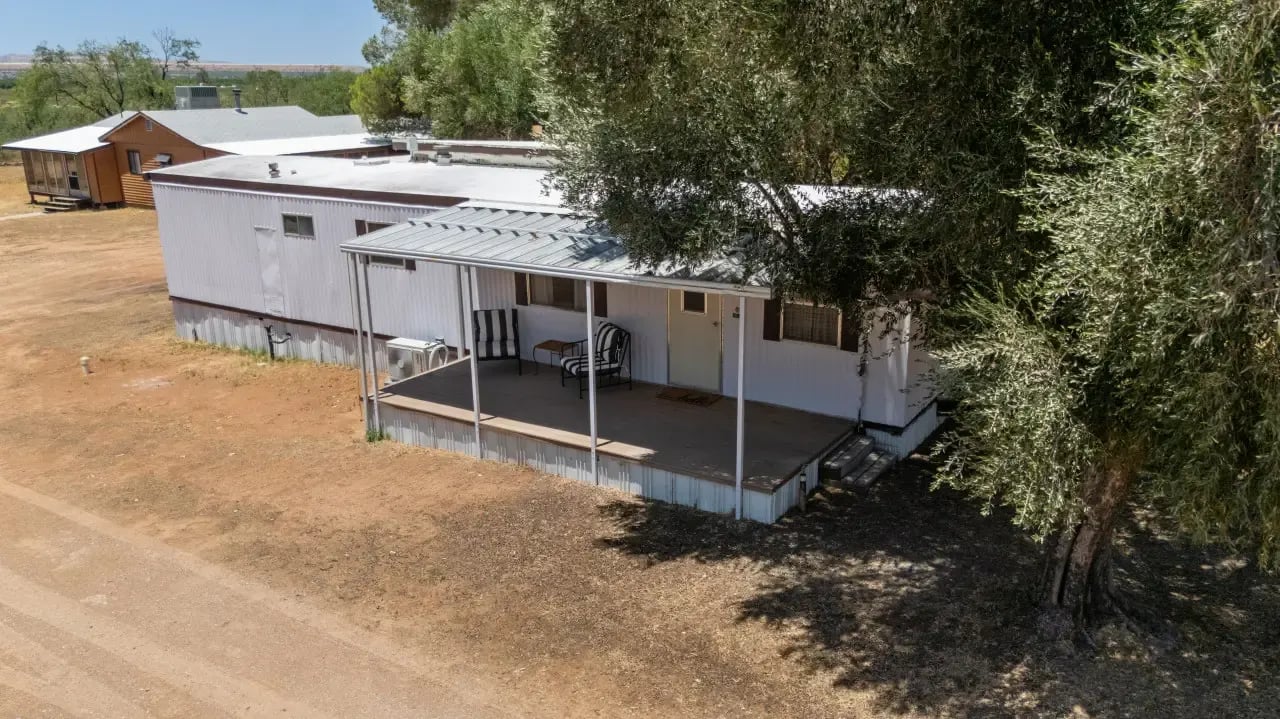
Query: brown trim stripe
[[399, 198]]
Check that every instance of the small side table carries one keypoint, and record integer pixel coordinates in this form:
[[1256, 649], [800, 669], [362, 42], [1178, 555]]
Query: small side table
[[554, 349]]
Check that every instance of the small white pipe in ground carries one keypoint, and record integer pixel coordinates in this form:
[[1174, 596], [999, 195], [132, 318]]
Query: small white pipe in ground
[[84, 365]]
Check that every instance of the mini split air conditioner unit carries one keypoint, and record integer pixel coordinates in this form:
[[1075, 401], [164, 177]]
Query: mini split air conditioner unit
[[407, 357]]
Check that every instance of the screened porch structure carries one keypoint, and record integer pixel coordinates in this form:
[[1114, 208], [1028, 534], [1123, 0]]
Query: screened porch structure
[[726, 455]]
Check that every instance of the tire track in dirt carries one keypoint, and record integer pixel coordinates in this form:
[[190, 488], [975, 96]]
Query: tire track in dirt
[[411, 684]]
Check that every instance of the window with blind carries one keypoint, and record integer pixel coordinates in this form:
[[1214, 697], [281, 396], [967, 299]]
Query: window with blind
[[560, 292], [811, 323]]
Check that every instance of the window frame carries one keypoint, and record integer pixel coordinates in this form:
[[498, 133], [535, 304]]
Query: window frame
[[579, 292], [134, 158], [838, 318], [364, 227], [284, 225], [394, 262], [684, 304], [149, 124]]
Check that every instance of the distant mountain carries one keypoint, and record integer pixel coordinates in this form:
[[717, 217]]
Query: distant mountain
[[14, 63]]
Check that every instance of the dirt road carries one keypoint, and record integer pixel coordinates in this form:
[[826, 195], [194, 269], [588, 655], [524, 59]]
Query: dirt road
[[88, 628]]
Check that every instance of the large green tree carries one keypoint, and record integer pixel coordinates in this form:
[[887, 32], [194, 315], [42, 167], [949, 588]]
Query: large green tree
[[468, 69], [688, 126], [689, 122], [101, 79], [1142, 361], [481, 76]]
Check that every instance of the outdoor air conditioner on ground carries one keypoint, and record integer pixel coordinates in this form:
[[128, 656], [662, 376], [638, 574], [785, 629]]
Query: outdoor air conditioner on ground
[[408, 357]]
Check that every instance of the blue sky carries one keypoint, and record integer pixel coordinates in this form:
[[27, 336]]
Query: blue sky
[[250, 31]]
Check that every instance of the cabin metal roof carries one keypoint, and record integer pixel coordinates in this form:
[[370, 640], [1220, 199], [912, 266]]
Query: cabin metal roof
[[207, 127], [74, 141], [541, 240]]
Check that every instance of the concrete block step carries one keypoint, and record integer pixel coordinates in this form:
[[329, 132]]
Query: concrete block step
[[871, 469], [845, 458]]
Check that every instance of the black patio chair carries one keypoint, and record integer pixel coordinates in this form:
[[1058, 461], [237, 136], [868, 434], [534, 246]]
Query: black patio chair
[[497, 335], [613, 359]]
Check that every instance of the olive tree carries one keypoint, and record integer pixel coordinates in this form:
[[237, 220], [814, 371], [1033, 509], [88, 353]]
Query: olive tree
[[1141, 362]]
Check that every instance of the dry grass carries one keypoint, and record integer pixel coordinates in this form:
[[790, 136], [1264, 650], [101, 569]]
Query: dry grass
[[14, 199], [583, 602]]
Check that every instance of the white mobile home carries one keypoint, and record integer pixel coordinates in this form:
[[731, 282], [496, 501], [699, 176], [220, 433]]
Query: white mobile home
[[707, 391]]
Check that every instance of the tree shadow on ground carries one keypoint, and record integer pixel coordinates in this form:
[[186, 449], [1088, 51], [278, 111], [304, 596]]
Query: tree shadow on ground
[[916, 595]]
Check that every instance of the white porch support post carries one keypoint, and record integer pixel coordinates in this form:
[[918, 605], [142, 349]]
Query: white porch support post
[[742, 407], [357, 324], [462, 318], [373, 354], [591, 378], [471, 344]]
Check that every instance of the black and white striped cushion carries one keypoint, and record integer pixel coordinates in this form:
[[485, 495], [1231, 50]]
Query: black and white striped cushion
[[494, 336], [578, 365]]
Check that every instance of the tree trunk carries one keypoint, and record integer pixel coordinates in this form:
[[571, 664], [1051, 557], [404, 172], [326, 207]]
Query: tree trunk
[[1078, 590]]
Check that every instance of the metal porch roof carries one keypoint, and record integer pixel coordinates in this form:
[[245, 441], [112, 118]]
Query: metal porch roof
[[541, 240]]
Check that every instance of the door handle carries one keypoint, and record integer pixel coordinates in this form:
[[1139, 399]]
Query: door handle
[[715, 323]]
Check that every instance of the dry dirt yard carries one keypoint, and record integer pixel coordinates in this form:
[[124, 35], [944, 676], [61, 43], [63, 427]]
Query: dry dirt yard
[[14, 199], [547, 597]]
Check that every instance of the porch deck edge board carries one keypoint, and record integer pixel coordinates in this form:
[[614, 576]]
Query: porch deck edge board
[[575, 440]]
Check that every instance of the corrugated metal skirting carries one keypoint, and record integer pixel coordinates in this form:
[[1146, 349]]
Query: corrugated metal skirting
[[227, 328]]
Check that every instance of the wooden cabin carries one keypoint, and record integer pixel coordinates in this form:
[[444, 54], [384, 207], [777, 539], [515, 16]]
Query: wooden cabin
[[73, 167], [154, 139]]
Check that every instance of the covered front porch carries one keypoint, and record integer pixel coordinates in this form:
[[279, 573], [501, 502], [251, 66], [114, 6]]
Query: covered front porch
[[671, 441], [607, 425]]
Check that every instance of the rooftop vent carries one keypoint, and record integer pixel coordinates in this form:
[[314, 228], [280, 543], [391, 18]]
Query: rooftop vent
[[365, 161], [196, 97], [443, 158], [273, 169], [235, 93], [420, 156]]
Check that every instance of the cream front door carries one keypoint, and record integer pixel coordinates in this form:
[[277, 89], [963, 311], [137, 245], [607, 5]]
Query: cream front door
[[693, 340]]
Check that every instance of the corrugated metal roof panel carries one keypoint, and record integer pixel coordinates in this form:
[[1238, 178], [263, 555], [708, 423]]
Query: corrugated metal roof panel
[[547, 242]]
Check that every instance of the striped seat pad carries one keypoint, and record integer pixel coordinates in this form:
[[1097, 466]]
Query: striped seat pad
[[578, 365], [495, 337]]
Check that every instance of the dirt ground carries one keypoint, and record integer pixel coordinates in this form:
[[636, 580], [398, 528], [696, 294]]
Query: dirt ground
[[560, 599], [14, 199]]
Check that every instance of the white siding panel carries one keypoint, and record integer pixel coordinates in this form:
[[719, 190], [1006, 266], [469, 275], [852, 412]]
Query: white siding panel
[[209, 246], [639, 310], [211, 255], [642, 311], [793, 374]]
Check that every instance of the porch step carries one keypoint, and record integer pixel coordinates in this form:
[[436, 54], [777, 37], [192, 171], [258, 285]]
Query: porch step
[[845, 457], [871, 469], [855, 463], [62, 204]]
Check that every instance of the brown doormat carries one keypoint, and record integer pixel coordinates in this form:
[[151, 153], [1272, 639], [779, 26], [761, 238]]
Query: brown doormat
[[689, 396]]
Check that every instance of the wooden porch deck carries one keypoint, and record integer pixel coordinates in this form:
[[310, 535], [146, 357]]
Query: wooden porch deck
[[634, 424]]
